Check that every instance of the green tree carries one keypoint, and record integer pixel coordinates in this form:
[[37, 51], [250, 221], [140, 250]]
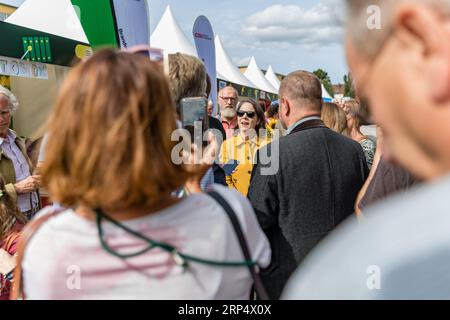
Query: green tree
[[349, 90], [325, 79]]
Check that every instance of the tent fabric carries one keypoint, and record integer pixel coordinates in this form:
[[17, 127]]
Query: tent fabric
[[325, 95], [227, 68], [56, 17], [255, 75], [272, 78], [169, 36]]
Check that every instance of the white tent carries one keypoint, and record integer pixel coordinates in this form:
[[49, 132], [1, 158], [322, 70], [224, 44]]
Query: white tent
[[227, 68], [169, 36], [255, 75], [325, 95], [272, 78], [56, 17]]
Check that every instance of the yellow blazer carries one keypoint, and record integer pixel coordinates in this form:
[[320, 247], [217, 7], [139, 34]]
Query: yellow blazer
[[236, 148]]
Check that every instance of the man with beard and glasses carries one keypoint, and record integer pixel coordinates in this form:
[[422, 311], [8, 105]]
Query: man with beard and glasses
[[228, 99]]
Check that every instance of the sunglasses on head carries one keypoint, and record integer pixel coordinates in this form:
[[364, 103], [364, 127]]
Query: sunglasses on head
[[249, 114]]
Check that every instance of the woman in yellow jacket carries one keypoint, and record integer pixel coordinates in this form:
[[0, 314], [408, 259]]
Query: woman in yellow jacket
[[241, 148]]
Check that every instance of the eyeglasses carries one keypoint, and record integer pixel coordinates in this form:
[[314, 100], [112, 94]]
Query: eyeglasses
[[249, 114], [232, 99]]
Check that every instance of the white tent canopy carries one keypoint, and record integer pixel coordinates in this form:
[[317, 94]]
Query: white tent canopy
[[325, 94], [169, 36], [227, 68], [255, 75], [272, 78], [56, 17]]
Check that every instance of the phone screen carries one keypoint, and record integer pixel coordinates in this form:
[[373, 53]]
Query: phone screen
[[230, 167], [193, 110]]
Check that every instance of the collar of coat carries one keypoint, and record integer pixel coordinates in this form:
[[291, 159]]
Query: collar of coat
[[20, 142], [253, 141], [310, 124]]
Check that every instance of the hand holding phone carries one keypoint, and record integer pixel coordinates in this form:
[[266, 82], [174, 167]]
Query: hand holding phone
[[192, 110], [230, 167], [194, 117]]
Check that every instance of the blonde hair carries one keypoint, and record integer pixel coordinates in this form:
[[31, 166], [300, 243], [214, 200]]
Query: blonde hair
[[334, 117], [109, 140], [187, 77]]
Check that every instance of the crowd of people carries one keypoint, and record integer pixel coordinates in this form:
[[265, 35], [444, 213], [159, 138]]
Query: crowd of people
[[129, 222]]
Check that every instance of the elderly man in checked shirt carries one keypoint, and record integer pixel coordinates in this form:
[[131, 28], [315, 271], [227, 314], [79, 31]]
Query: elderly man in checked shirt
[[15, 165]]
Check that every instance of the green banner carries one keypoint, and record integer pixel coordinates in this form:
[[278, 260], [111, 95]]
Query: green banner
[[247, 91], [32, 45], [98, 22]]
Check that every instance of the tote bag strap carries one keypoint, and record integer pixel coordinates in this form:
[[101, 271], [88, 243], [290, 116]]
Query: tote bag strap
[[258, 284]]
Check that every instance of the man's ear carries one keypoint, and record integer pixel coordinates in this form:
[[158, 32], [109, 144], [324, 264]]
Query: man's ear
[[287, 107], [421, 26]]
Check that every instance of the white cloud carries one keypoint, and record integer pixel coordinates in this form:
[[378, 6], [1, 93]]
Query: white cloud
[[294, 24]]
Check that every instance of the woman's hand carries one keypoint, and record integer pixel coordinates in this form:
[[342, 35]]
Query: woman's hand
[[199, 164]]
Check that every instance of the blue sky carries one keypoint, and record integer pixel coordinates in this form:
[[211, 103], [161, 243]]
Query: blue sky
[[289, 35], [15, 3]]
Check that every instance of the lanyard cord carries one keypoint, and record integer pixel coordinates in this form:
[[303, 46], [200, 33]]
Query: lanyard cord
[[179, 258]]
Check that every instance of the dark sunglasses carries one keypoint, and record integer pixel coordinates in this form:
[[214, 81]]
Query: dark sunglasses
[[249, 114]]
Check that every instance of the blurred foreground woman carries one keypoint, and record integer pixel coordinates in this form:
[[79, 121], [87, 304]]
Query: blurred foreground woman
[[109, 158]]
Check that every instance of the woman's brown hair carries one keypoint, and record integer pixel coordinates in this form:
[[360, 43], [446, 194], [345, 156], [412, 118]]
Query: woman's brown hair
[[357, 111], [259, 112], [110, 135], [9, 213]]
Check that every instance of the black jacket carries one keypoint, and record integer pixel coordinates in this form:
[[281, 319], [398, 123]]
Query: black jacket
[[219, 174], [319, 177]]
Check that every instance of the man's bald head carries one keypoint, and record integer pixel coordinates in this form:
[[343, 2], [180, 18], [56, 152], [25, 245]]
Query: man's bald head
[[228, 99], [303, 89], [229, 89]]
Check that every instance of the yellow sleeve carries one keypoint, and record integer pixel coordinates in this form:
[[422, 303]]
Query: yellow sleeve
[[223, 153]]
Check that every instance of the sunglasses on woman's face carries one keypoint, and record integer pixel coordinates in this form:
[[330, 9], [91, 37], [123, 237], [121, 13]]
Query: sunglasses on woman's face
[[249, 114]]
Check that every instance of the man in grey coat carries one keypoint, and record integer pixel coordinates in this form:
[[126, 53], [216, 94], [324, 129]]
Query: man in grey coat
[[316, 176]]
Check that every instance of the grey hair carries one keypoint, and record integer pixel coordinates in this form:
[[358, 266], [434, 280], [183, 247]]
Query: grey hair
[[230, 87], [11, 98], [368, 41]]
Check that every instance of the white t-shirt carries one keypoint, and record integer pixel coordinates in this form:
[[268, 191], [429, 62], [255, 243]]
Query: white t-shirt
[[64, 260]]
